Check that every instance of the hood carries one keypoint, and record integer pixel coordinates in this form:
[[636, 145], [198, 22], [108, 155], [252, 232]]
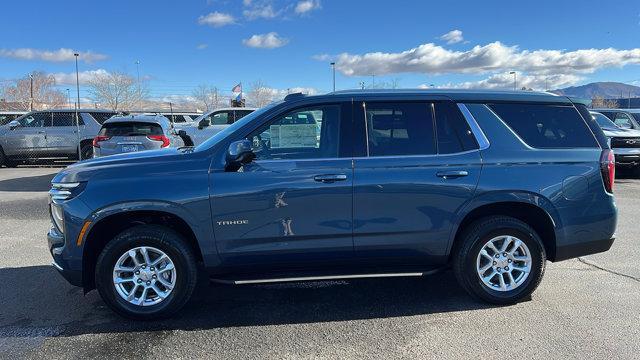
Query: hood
[[618, 132], [137, 161]]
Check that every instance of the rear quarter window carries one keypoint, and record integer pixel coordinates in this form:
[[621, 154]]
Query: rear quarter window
[[546, 126], [131, 129]]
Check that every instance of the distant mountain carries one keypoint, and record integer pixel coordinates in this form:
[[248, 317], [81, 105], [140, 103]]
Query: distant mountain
[[608, 90]]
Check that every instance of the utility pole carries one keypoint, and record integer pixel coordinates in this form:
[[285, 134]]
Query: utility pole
[[333, 67], [31, 89]]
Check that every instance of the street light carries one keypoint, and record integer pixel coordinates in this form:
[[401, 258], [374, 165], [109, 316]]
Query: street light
[[31, 90], [333, 66], [515, 80]]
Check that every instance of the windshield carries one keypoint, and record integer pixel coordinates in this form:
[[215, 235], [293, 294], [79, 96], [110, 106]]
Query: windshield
[[236, 125], [603, 121]]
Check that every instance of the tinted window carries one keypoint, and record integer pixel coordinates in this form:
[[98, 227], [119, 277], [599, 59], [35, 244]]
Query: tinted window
[[546, 126], [221, 118], [130, 129], [100, 117], [603, 121], [453, 132], [63, 119], [7, 118], [241, 113], [399, 129], [302, 134]]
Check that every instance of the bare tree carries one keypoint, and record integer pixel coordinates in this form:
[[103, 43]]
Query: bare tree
[[260, 94], [117, 91], [600, 102], [206, 96], [45, 95]]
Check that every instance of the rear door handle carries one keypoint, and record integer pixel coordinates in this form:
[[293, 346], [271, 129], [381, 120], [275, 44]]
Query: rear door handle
[[452, 174], [330, 178]]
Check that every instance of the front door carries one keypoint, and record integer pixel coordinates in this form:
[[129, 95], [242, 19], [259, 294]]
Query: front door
[[62, 134], [421, 165], [292, 205], [29, 139]]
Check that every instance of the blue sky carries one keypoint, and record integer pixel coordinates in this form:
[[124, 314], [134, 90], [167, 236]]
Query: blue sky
[[181, 44]]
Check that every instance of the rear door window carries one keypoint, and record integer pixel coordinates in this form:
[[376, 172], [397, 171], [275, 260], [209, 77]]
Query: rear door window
[[399, 128], [546, 126], [63, 119], [130, 129], [453, 132]]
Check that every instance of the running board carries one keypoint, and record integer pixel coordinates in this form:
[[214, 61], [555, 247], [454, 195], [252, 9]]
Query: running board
[[330, 277]]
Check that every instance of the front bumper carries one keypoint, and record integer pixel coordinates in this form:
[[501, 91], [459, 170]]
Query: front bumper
[[583, 248], [56, 244], [627, 157]]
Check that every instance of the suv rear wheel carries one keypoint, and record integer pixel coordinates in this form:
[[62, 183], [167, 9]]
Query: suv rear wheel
[[500, 260], [86, 151], [146, 272]]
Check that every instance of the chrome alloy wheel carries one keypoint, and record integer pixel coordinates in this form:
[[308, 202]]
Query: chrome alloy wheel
[[144, 276], [504, 263]]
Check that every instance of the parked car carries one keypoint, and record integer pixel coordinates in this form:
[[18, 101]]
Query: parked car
[[625, 143], [400, 183], [212, 122], [8, 116], [132, 133], [623, 118], [50, 134]]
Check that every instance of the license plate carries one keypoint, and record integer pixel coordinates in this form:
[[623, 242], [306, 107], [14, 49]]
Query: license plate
[[129, 148]]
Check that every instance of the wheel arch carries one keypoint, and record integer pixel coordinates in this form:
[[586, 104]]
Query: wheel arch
[[531, 209], [104, 228]]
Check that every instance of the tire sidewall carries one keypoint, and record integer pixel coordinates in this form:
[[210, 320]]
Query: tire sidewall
[[127, 241], [86, 152], [538, 259]]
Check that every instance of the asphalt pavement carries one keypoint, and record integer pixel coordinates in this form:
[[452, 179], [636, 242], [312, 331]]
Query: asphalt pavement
[[584, 308]]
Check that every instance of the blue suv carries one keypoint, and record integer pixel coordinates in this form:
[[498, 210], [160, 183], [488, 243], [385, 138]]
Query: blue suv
[[344, 185]]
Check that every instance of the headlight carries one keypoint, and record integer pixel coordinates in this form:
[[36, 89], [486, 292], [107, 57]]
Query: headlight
[[57, 215], [65, 191]]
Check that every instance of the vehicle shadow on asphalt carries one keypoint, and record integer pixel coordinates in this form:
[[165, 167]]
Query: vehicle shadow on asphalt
[[39, 183], [41, 302]]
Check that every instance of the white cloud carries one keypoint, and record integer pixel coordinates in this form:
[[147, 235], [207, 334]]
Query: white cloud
[[305, 6], [265, 41], [505, 81], [246, 2], [216, 19], [452, 37], [84, 76], [257, 12], [494, 57], [59, 55], [202, 46]]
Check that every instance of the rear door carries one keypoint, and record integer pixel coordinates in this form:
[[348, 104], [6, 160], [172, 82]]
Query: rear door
[[62, 134], [421, 165]]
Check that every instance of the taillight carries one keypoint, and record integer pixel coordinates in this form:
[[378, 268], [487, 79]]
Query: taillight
[[608, 169], [165, 140], [98, 139]]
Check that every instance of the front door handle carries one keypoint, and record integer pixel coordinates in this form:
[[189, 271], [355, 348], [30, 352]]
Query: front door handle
[[330, 178], [452, 174]]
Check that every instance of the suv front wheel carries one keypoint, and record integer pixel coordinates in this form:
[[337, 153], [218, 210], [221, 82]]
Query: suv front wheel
[[146, 272], [500, 260]]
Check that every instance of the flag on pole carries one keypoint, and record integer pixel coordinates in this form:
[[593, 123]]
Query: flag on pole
[[237, 88]]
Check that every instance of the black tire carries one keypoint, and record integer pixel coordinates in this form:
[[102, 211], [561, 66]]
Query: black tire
[[472, 240], [4, 160], [86, 151], [159, 237]]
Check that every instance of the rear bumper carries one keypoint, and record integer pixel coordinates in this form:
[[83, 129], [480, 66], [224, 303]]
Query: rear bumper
[[627, 156], [583, 248]]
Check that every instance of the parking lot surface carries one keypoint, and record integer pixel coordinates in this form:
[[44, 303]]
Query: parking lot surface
[[584, 308]]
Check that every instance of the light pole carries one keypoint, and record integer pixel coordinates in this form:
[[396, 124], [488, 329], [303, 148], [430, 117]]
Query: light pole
[[31, 90], [138, 73], [78, 106], [333, 67], [515, 80]]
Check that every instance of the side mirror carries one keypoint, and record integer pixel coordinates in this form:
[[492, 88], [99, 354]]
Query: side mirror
[[203, 123], [238, 154], [14, 124], [182, 133]]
